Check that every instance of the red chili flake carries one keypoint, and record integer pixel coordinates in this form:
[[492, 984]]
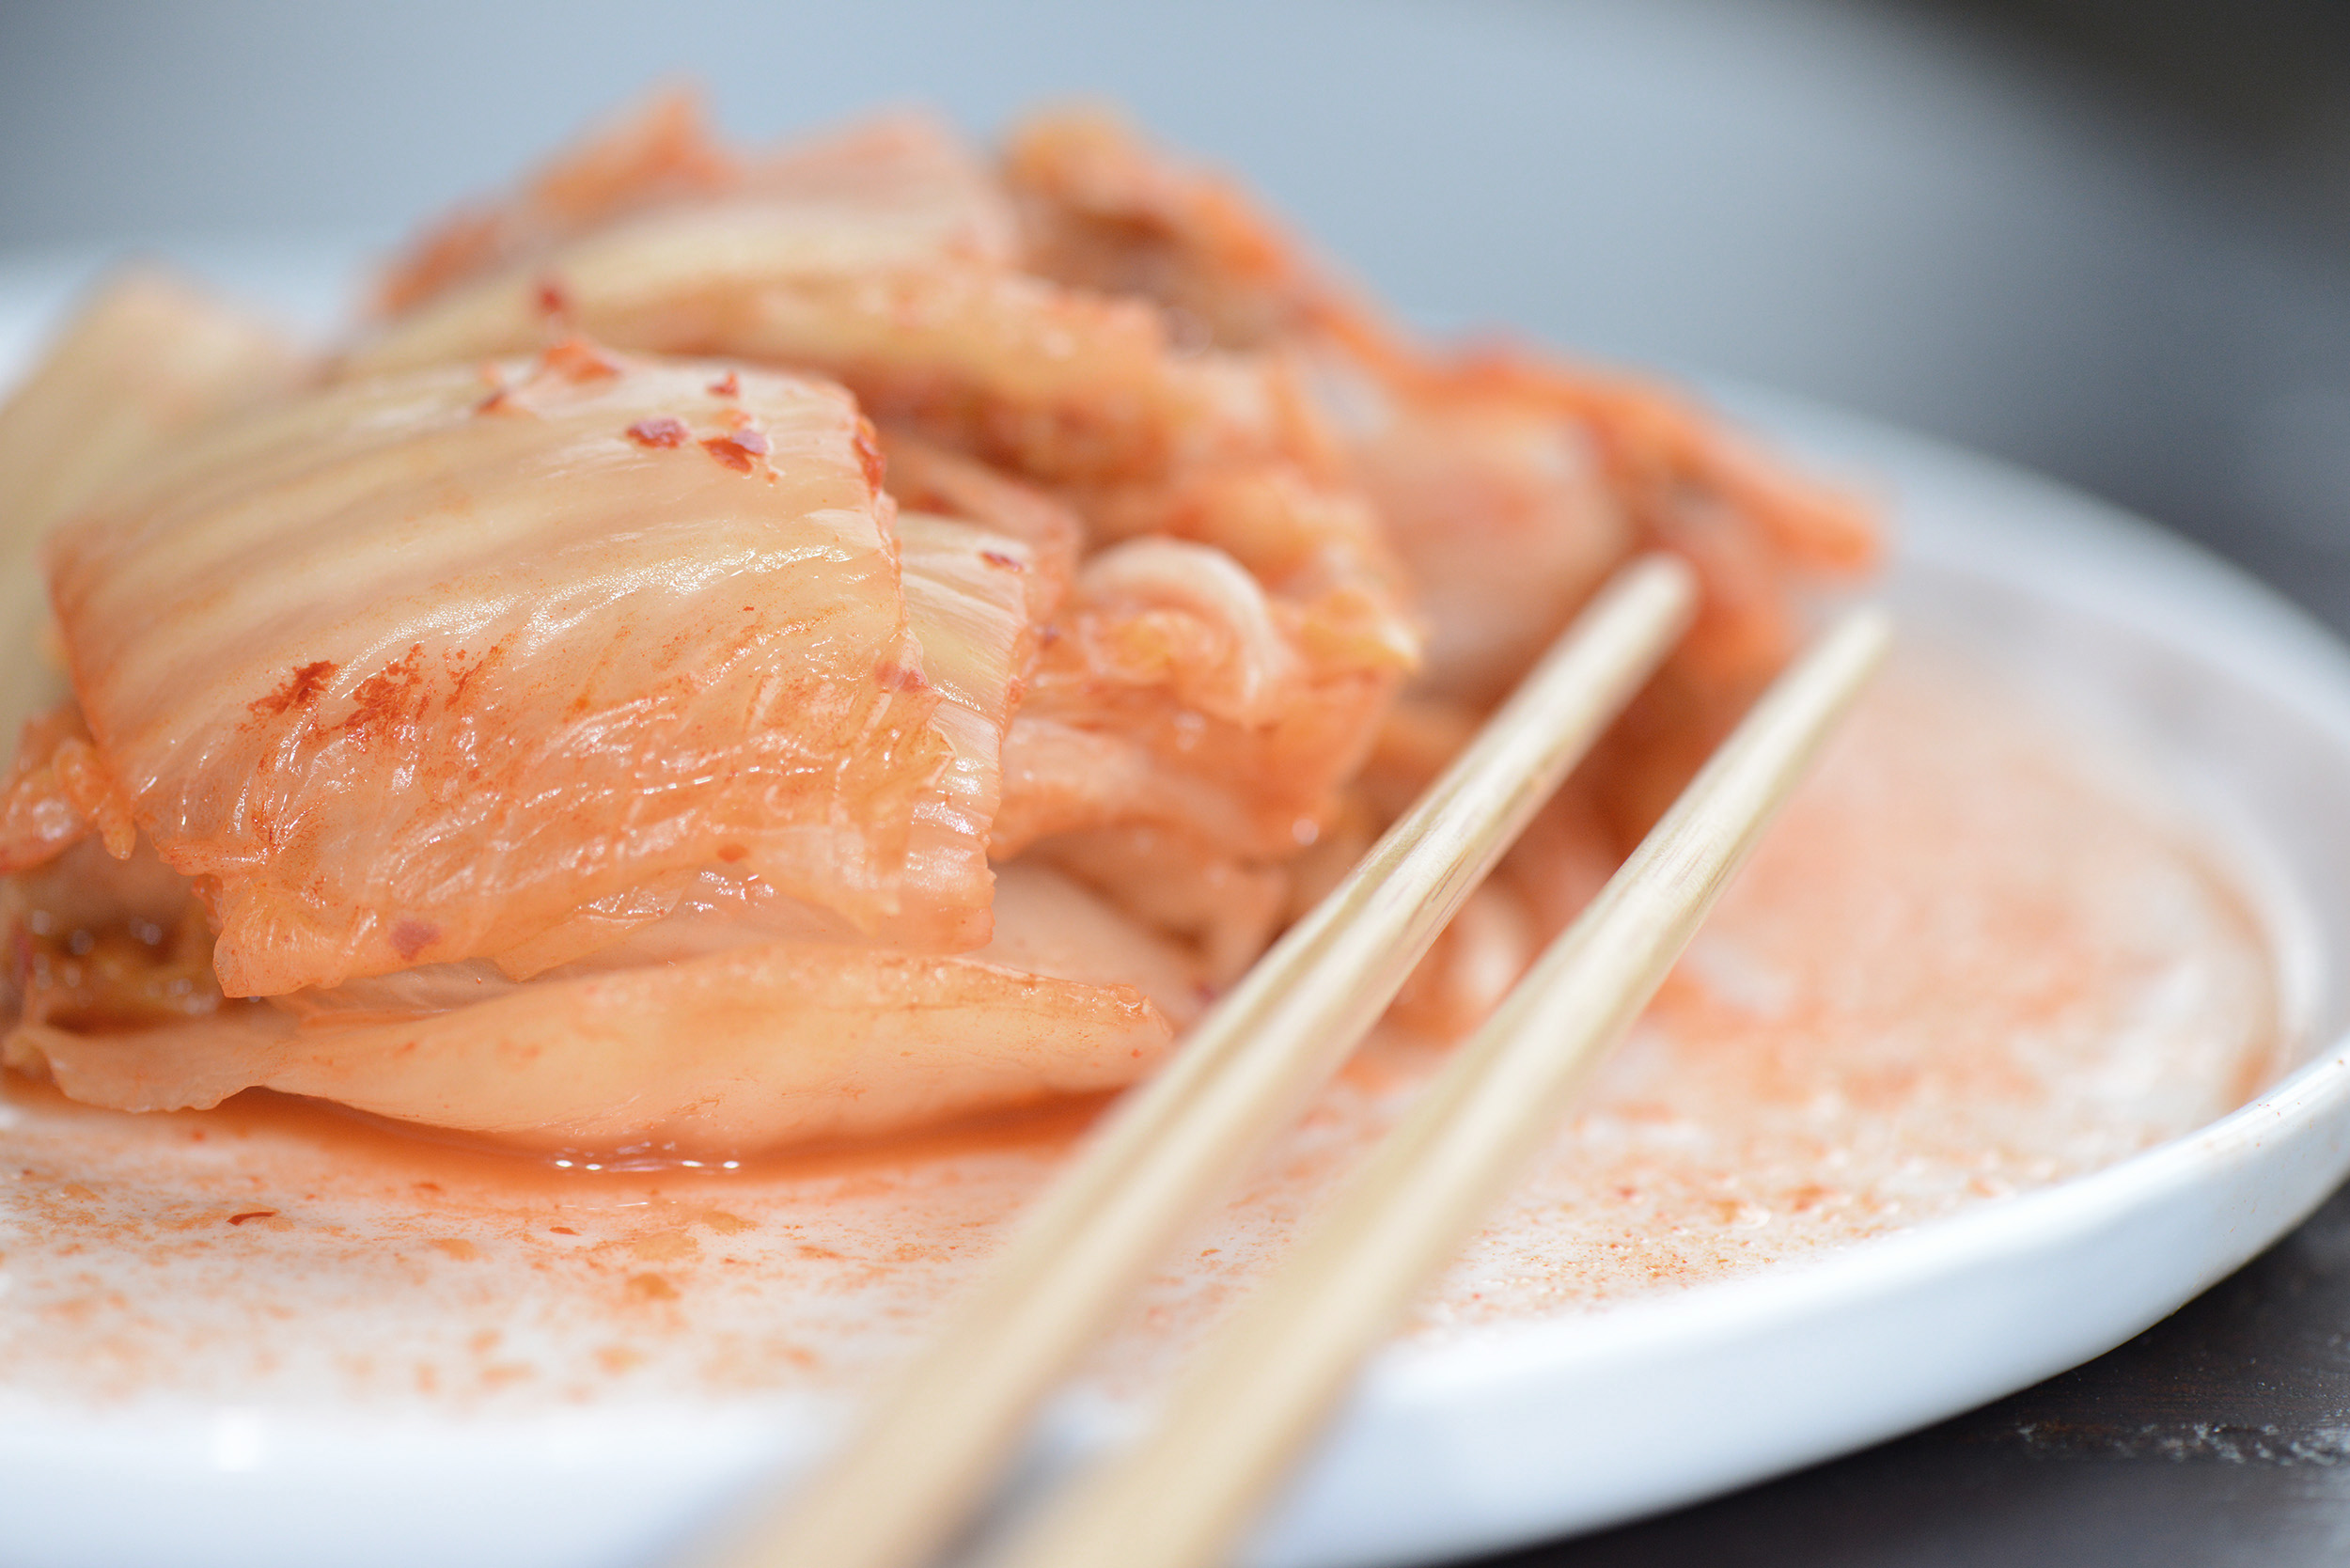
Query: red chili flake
[[997, 559], [868, 452], [663, 431], [461, 675], [727, 385], [393, 696], [252, 1213], [562, 1230], [301, 687], [576, 359], [410, 936], [553, 300], [732, 852], [736, 450]]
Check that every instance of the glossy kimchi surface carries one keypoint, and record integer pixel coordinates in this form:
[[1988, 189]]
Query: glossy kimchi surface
[[745, 646]]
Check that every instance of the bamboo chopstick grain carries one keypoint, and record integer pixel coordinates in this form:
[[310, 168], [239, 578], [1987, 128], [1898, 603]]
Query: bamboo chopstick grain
[[910, 1474], [1180, 1497]]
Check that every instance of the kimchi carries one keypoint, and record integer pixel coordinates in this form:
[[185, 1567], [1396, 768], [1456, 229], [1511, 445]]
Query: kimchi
[[744, 647]]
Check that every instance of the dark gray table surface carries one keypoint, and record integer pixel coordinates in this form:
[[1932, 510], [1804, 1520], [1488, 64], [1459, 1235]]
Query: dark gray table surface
[[2220, 1436]]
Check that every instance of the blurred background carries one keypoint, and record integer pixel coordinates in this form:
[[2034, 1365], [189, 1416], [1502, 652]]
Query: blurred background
[[2108, 239]]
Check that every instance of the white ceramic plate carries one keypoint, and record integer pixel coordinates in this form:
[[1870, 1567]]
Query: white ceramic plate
[[1516, 1433]]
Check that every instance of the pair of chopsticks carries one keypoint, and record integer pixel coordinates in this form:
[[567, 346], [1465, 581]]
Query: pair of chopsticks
[[929, 1451]]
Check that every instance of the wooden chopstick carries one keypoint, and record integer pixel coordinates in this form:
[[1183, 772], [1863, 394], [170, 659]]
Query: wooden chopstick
[[926, 1454], [1181, 1497]]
